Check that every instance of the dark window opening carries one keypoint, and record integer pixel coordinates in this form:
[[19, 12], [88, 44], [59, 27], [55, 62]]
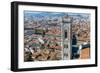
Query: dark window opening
[[65, 34]]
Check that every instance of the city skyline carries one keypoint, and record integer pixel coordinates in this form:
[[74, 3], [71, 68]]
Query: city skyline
[[42, 14]]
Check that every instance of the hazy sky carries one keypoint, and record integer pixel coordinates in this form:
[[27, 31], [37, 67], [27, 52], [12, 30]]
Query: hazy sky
[[41, 14]]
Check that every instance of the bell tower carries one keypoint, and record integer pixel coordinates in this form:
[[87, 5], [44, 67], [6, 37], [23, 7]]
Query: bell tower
[[66, 37]]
